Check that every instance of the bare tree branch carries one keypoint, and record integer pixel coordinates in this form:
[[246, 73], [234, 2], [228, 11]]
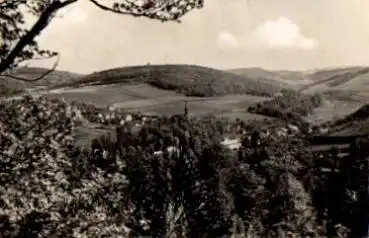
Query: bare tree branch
[[39, 58], [37, 28], [37, 78]]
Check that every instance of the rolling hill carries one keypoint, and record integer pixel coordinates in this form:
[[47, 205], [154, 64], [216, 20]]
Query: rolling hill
[[355, 123], [162, 89], [326, 73], [286, 77], [9, 84], [190, 80], [344, 84], [348, 83]]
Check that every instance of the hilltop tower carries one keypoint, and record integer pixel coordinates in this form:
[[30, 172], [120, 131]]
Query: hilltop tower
[[148, 71]]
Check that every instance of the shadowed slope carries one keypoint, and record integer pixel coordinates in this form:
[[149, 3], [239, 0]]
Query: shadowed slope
[[286, 77], [356, 123], [187, 79], [345, 84], [9, 85]]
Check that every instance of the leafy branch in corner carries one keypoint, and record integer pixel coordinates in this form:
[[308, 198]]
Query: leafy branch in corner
[[17, 41]]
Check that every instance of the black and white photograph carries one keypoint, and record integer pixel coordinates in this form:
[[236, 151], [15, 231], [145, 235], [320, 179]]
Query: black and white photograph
[[184, 118]]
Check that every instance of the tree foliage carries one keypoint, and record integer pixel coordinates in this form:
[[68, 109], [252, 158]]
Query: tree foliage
[[290, 106], [170, 177]]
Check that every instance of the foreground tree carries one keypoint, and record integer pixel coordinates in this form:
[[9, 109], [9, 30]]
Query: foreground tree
[[17, 41]]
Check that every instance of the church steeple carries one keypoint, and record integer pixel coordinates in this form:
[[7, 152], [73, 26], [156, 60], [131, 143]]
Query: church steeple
[[186, 109]]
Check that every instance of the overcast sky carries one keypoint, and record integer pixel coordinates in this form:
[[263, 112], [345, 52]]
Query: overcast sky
[[275, 34]]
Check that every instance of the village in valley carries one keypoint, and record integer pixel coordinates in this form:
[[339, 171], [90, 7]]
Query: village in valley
[[199, 142]]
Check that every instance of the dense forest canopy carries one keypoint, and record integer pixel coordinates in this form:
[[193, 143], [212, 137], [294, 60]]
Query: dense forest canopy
[[171, 177]]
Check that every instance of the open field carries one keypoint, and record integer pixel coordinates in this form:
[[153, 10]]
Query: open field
[[332, 110], [151, 100], [148, 99]]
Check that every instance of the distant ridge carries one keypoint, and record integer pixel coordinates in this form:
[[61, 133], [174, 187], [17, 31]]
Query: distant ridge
[[348, 83], [276, 75], [56, 77], [190, 80]]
